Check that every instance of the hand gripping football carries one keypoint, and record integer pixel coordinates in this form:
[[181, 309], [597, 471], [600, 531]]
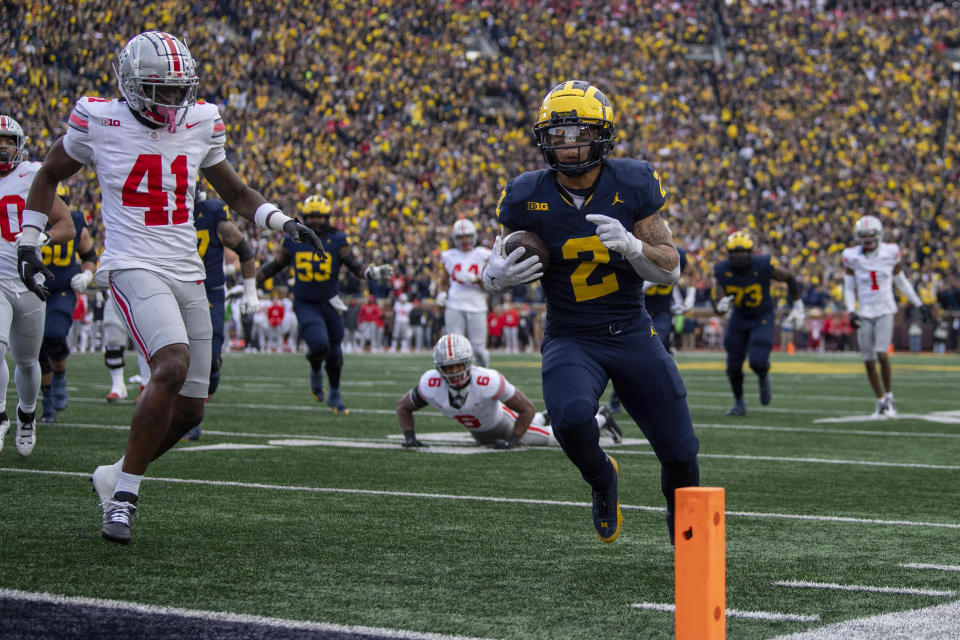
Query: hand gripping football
[[532, 245]]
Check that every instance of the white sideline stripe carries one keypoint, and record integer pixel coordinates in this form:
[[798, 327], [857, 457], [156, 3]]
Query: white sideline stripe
[[940, 622], [857, 432], [905, 591], [866, 463], [219, 616], [937, 567], [447, 496], [736, 613]]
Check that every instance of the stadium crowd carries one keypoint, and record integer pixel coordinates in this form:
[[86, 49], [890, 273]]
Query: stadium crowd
[[409, 115]]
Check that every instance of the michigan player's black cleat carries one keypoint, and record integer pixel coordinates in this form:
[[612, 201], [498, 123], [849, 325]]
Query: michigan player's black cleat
[[765, 392], [739, 408], [607, 518]]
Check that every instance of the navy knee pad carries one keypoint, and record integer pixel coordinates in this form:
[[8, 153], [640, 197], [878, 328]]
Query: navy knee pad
[[316, 357], [56, 349], [760, 368]]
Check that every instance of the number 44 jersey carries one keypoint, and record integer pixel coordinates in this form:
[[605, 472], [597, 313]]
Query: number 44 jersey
[[874, 276], [482, 407], [146, 178]]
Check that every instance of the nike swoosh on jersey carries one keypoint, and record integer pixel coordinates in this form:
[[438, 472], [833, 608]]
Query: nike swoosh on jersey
[[193, 124]]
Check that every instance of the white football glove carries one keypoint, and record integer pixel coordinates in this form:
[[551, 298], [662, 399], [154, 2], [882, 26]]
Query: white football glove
[[337, 303], [677, 309], [615, 236], [81, 281], [724, 304], [380, 273], [235, 291], [467, 277], [442, 299], [797, 315], [250, 302], [503, 272]]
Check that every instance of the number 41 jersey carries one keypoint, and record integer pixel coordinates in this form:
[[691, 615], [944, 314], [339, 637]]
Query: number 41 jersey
[[146, 181]]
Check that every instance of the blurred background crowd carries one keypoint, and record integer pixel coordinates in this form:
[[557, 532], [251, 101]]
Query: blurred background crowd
[[790, 119]]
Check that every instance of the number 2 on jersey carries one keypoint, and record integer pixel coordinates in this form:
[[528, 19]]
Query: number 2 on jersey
[[154, 199], [572, 248]]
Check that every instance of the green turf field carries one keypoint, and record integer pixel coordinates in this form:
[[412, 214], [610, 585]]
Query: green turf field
[[287, 511]]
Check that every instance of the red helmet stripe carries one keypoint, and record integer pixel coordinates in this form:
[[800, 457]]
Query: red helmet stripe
[[450, 346], [172, 48]]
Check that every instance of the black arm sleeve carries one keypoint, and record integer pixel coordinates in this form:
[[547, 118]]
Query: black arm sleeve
[[417, 399], [353, 263], [793, 288], [89, 256], [269, 269], [244, 252]]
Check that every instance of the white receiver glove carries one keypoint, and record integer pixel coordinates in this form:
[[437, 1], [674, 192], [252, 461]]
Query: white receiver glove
[[615, 237], [503, 272], [724, 304], [467, 277], [797, 315], [81, 281], [250, 302], [442, 299], [337, 303], [378, 272]]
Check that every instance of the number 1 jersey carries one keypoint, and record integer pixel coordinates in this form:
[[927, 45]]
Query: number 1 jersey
[[874, 276], [146, 179]]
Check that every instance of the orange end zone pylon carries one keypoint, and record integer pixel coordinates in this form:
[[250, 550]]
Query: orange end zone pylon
[[700, 564]]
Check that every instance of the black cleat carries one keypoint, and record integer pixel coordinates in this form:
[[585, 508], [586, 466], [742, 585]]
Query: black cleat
[[607, 518]]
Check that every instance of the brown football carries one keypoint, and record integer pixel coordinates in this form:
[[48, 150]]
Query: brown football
[[532, 245]]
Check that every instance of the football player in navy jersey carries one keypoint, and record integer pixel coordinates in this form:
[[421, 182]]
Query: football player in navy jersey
[[743, 284], [316, 300], [69, 278], [599, 219]]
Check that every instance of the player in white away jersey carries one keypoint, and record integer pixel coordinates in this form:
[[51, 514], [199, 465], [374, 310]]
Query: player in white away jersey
[[870, 271], [461, 293], [148, 150], [21, 313], [483, 401]]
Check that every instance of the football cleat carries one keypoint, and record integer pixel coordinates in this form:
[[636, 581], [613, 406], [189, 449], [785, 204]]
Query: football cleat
[[49, 413], [316, 385], [4, 427], [58, 385], [335, 402], [765, 391], [607, 518], [117, 393], [614, 403], [117, 516], [610, 427], [889, 410], [26, 432], [739, 408], [879, 411], [193, 434]]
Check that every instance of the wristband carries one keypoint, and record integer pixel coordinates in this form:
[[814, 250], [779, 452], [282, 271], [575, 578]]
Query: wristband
[[29, 236], [33, 218], [269, 216], [250, 287]]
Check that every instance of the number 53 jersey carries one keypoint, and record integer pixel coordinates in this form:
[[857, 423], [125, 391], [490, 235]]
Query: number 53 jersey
[[482, 409], [146, 179]]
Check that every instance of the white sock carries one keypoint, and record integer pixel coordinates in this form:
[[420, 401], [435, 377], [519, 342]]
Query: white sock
[[128, 482], [116, 378], [601, 420]]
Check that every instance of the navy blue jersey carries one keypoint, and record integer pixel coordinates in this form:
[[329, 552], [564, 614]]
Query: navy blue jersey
[[61, 258], [315, 280], [749, 287], [206, 217], [659, 299], [586, 285]]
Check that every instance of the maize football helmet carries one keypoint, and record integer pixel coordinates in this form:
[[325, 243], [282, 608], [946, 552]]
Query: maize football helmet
[[157, 76], [740, 249], [317, 212], [12, 152], [575, 114], [464, 234], [868, 231], [453, 357]]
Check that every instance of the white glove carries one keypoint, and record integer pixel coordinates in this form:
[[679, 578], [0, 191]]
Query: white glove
[[677, 309], [380, 273], [42, 239], [80, 281], [467, 277], [235, 291], [797, 315], [250, 302], [724, 304], [615, 236], [337, 303], [503, 272], [442, 299], [229, 269]]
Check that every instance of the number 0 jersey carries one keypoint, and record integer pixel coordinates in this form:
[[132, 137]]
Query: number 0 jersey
[[316, 280], [14, 188], [483, 406], [146, 179], [874, 277], [750, 287], [586, 286], [463, 295]]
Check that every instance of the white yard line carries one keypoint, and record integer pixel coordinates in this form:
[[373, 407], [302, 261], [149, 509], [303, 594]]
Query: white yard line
[[903, 591], [941, 622], [736, 613], [936, 567], [865, 463]]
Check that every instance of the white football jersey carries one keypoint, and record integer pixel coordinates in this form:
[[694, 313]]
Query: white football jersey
[[464, 295], [146, 179], [874, 278], [401, 312], [483, 406], [14, 188]]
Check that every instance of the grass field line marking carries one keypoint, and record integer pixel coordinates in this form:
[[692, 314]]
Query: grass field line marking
[[736, 613], [857, 432], [448, 496], [904, 591], [940, 417], [865, 463], [929, 623], [937, 567], [218, 616]]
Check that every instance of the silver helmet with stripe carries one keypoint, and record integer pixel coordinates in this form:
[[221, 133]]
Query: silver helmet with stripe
[[158, 77], [453, 357], [12, 152]]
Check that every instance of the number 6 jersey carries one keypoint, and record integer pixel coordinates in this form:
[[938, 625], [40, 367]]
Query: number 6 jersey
[[146, 179], [482, 407]]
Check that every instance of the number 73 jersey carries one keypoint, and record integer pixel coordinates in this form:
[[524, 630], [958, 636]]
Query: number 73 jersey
[[874, 277], [483, 407], [750, 287], [146, 179]]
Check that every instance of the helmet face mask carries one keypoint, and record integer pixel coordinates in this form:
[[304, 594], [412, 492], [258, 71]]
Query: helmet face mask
[[317, 212], [868, 231], [464, 234], [453, 358], [575, 115], [157, 77], [12, 143], [739, 246]]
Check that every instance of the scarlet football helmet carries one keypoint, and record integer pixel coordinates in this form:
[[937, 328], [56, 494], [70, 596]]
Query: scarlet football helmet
[[575, 114], [12, 152], [157, 76], [868, 231], [453, 357], [464, 234]]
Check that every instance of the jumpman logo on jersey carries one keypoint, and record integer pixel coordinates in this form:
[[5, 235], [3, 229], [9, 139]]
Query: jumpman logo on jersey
[[616, 199], [653, 332]]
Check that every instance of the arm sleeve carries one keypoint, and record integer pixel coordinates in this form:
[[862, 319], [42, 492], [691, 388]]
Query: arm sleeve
[[850, 292]]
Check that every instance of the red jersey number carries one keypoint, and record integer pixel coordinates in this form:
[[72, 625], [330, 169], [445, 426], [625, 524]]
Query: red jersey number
[[154, 199], [11, 213], [474, 269], [470, 422]]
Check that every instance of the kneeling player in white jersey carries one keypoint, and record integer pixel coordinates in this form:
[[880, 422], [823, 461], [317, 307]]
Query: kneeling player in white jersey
[[871, 270], [483, 401], [148, 151], [460, 293], [21, 313]]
